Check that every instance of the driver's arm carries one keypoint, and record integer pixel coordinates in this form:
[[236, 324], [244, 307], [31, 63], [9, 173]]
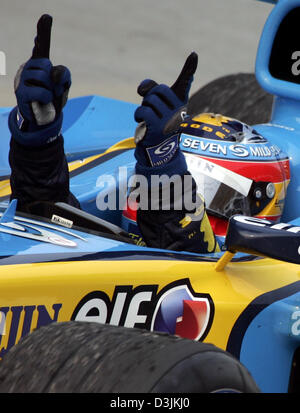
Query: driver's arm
[[39, 170], [177, 221]]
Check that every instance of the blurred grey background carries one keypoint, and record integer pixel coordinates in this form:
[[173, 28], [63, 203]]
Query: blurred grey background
[[111, 45]]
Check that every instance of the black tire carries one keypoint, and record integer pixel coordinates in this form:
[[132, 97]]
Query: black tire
[[238, 96], [78, 357]]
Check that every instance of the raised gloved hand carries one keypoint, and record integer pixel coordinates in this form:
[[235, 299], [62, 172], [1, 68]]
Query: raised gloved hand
[[162, 111], [42, 91]]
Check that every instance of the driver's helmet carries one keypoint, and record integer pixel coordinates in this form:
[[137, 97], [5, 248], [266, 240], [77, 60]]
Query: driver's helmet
[[237, 170]]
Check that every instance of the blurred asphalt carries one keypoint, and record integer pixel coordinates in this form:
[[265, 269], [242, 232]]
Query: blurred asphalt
[[110, 46]]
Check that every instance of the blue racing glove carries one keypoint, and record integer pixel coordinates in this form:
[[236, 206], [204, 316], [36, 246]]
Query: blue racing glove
[[42, 91], [162, 111]]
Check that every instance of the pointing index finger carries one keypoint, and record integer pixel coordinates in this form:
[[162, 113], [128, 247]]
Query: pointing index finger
[[43, 38], [182, 84]]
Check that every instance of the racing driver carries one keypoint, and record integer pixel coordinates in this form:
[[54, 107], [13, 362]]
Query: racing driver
[[39, 170]]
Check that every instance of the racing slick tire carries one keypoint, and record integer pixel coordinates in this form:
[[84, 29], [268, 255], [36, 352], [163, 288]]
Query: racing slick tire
[[238, 96], [82, 357]]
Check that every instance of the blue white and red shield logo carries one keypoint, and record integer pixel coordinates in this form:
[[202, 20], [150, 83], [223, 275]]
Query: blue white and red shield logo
[[181, 312], [162, 153]]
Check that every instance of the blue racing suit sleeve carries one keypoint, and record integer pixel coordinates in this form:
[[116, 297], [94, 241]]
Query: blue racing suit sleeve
[[178, 227], [39, 174]]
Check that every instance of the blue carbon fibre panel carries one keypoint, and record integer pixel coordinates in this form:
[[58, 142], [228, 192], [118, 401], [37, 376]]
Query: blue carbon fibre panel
[[91, 125], [104, 178], [283, 129], [4, 142], [94, 123], [270, 342], [266, 335]]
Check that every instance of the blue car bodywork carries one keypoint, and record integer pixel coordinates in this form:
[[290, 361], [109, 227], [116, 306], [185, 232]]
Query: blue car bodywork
[[92, 124]]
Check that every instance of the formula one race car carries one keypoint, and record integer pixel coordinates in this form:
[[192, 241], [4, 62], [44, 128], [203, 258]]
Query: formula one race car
[[81, 266]]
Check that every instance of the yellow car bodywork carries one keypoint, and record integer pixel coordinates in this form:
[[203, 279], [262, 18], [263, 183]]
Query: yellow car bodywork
[[38, 293]]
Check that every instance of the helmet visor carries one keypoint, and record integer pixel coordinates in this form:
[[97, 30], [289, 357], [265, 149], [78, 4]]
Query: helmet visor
[[225, 192]]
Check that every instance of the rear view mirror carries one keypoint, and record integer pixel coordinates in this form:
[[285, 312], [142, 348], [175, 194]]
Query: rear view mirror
[[261, 237]]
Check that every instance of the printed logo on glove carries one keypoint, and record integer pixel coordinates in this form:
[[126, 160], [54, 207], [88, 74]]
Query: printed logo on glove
[[163, 152]]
